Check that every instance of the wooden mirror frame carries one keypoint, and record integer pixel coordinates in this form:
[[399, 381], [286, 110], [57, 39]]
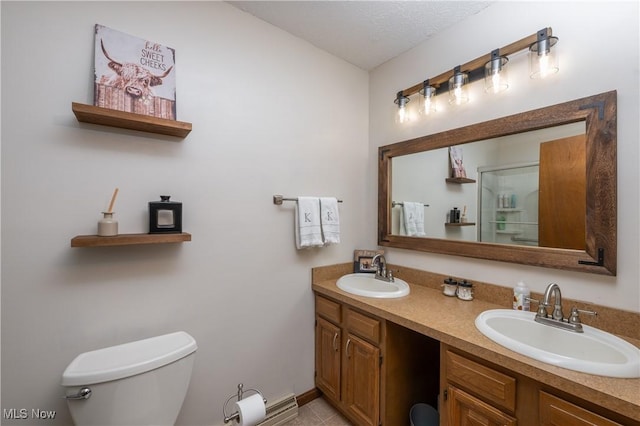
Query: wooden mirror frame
[[600, 256]]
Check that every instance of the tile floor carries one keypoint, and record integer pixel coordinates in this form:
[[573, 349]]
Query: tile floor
[[318, 413]]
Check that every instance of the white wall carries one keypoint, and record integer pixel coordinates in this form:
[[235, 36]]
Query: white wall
[[599, 52], [271, 115]]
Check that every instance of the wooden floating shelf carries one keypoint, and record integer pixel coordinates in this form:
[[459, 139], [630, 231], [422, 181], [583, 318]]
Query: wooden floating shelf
[[128, 239], [128, 120], [460, 180], [460, 224]]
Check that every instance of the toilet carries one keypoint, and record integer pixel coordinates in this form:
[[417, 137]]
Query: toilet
[[137, 383]]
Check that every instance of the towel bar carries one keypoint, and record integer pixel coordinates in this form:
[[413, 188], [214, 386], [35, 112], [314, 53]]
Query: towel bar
[[400, 203], [278, 199]]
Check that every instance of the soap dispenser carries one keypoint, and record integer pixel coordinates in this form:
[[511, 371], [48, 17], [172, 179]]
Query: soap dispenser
[[521, 295]]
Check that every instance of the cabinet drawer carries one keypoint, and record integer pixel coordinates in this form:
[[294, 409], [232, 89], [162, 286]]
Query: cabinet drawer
[[363, 326], [329, 309], [493, 386], [465, 409], [556, 411]]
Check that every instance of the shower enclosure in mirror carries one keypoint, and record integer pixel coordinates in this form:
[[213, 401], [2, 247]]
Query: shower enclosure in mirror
[[508, 204]]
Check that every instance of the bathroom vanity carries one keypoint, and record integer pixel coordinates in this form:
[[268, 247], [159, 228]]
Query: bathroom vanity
[[377, 357], [369, 368]]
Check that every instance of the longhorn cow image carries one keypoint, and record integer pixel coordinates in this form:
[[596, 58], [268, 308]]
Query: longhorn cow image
[[132, 78]]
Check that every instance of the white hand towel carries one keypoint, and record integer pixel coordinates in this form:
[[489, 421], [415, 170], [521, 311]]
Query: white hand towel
[[330, 220], [420, 220], [414, 218], [402, 228], [408, 211], [307, 223]]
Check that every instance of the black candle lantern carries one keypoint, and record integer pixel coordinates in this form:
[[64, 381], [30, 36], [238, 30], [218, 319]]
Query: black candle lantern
[[165, 216]]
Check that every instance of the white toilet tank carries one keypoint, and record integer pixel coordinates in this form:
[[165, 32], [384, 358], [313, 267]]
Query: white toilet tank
[[137, 383]]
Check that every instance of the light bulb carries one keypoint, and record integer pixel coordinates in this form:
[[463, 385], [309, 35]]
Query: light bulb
[[427, 100], [402, 114], [458, 93], [495, 73], [495, 82], [426, 105]]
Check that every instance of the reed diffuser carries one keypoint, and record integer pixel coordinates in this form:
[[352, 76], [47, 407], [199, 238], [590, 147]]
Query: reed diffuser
[[108, 226]]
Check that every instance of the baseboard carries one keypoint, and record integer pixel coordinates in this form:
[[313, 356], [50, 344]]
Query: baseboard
[[308, 396]]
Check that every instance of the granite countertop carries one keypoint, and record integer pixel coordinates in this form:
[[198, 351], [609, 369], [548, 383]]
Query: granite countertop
[[451, 321]]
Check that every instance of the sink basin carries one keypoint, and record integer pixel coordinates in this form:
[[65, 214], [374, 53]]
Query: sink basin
[[367, 285], [594, 351]]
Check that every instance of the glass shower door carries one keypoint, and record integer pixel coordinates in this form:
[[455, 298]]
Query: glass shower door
[[508, 198]]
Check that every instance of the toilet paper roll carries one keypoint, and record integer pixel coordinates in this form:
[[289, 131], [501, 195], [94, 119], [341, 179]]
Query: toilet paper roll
[[251, 410]]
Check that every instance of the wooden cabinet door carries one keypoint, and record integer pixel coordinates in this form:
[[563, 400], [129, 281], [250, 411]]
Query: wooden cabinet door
[[328, 341], [558, 412], [466, 410], [562, 205], [362, 381]]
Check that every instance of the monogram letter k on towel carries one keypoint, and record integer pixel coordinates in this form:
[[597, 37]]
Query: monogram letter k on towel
[[307, 223], [330, 220]]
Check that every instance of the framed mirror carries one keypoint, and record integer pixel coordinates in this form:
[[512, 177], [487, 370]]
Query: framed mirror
[[537, 188]]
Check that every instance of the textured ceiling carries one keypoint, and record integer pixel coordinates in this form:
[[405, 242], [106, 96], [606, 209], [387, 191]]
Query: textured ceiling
[[364, 33]]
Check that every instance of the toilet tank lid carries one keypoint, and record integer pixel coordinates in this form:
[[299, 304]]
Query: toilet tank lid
[[117, 362]]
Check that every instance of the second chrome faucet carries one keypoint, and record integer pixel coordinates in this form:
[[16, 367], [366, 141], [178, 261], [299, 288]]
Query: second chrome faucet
[[382, 273]]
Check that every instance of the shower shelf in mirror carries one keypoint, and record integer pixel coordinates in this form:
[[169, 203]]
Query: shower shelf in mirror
[[128, 239], [460, 224], [507, 222], [508, 232], [459, 180]]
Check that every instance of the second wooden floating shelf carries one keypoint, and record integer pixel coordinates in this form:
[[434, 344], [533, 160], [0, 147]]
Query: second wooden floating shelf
[[128, 120], [128, 239], [459, 180]]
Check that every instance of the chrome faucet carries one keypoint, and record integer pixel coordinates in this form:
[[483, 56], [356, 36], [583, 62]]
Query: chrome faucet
[[554, 289], [381, 268], [557, 318]]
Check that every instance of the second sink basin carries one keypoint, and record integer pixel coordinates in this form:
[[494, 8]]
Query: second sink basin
[[594, 351], [367, 285]]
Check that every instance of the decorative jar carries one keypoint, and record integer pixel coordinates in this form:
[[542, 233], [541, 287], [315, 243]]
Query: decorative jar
[[165, 216]]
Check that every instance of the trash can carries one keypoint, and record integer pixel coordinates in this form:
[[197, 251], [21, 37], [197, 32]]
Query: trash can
[[423, 415]]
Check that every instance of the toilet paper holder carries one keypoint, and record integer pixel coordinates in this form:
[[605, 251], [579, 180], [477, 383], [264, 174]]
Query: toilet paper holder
[[239, 396]]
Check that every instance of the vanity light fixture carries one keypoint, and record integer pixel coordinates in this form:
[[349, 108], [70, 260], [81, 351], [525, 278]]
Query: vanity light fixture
[[491, 66], [402, 115], [427, 99], [458, 90], [542, 60], [495, 73]]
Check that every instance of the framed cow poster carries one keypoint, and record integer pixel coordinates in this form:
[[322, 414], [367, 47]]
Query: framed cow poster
[[134, 74]]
